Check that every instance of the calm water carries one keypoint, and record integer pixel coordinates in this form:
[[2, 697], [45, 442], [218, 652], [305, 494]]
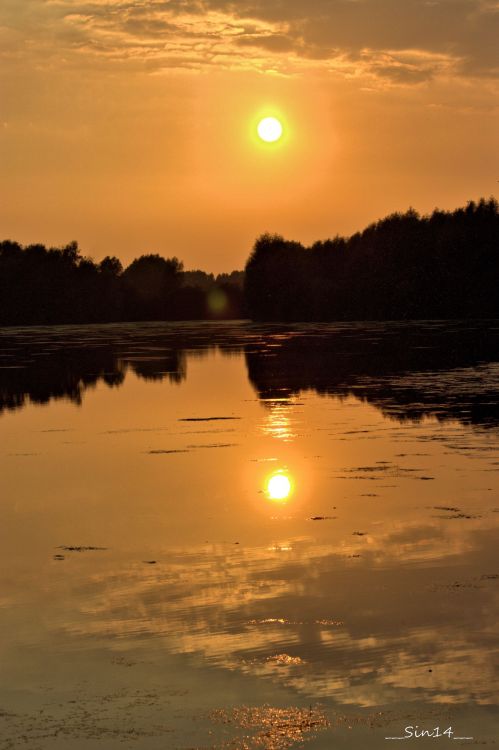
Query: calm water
[[157, 592]]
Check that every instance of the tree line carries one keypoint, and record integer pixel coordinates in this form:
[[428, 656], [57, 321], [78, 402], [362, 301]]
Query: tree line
[[43, 286], [405, 266]]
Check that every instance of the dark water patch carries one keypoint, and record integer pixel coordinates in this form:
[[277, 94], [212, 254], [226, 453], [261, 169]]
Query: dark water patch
[[23, 455], [213, 445], [122, 662], [322, 518], [216, 431], [206, 419], [379, 472], [161, 452], [125, 431], [455, 586], [75, 548], [339, 476], [56, 429], [262, 460], [123, 716], [448, 508], [407, 455]]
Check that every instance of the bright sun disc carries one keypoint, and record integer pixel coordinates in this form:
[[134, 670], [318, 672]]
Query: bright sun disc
[[269, 129], [278, 487]]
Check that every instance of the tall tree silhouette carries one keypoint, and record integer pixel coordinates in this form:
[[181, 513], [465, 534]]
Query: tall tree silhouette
[[150, 281]]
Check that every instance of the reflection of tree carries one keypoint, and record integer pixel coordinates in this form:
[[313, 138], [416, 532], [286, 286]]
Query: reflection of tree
[[66, 373], [171, 366], [407, 370]]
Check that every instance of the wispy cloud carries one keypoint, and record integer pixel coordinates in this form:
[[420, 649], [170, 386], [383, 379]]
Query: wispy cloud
[[384, 40]]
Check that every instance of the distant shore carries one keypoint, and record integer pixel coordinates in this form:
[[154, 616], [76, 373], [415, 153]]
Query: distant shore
[[403, 267]]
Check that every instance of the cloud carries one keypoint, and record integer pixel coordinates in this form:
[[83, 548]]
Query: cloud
[[271, 42], [384, 40]]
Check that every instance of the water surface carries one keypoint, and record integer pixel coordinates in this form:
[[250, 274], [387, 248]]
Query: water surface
[[155, 594]]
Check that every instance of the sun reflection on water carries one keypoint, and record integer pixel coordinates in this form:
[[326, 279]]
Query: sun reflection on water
[[278, 421], [279, 487]]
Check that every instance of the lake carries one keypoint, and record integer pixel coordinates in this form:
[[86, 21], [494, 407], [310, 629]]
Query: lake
[[231, 535]]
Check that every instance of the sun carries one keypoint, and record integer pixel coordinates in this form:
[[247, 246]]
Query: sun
[[270, 129], [278, 487]]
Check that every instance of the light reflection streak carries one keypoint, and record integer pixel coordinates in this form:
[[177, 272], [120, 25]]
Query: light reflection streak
[[278, 423]]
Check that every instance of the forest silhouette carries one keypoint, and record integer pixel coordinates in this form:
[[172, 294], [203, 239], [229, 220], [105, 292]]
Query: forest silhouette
[[44, 286], [403, 267]]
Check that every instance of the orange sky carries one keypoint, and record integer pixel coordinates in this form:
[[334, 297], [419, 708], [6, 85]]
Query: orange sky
[[129, 125]]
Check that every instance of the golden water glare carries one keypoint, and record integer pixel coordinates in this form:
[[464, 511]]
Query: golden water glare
[[279, 487]]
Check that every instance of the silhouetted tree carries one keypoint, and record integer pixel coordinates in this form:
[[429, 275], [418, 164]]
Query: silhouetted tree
[[111, 266], [40, 285], [150, 282], [405, 266]]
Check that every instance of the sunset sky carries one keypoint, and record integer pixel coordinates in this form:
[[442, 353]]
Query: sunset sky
[[129, 125]]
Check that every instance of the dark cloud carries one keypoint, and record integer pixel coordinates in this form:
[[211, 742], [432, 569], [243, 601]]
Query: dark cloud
[[467, 30]]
